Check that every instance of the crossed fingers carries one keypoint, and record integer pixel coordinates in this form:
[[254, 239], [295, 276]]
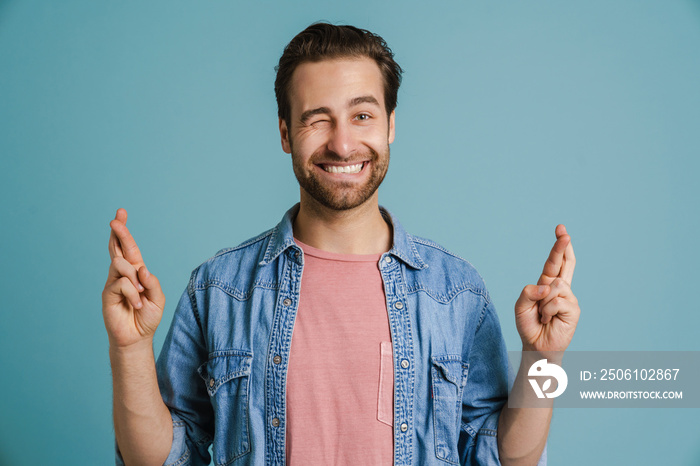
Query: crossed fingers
[[121, 243], [561, 261]]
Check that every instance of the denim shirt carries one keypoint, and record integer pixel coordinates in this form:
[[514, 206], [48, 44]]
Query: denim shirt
[[223, 367]]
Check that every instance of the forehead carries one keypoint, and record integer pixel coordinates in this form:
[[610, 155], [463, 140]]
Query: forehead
[[332, 83]]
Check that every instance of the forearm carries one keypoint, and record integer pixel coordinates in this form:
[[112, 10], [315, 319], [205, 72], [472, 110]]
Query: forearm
[[522, 432], [142, 422]]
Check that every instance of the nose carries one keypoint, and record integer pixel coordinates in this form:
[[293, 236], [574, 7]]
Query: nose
[[342, 140]]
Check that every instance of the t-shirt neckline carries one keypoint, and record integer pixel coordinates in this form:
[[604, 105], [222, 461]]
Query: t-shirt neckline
[[327, 255]]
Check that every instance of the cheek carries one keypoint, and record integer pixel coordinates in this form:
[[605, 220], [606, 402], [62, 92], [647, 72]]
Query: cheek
[[378, 141], [308, 143], [376, 134]]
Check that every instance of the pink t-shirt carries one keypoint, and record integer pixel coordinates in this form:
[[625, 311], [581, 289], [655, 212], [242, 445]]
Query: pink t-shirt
[[341, 376]]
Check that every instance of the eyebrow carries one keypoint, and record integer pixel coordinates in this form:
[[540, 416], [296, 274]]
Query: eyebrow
[[365, 99], [309, 113], [305, 116]]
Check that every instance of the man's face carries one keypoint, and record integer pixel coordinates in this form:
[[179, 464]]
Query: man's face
[[339, 132]]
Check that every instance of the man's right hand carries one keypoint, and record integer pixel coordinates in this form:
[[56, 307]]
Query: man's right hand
[[132, 300]]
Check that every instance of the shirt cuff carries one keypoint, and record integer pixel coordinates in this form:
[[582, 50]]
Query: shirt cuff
[[179, 453]]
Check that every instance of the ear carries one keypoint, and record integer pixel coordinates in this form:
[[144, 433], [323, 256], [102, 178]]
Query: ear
[[392, 130], [284, 135]]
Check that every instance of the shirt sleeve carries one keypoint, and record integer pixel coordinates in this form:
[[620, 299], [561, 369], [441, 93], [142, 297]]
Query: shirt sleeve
[[486, 393], [182, 388]]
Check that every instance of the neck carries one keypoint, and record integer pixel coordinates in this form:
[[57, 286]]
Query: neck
[[361, 230]]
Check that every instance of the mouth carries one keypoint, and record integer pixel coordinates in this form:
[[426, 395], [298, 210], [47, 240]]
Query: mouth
[[351, 169]]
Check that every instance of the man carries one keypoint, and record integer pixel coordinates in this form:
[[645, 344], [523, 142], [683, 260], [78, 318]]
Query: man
[[336, 337]]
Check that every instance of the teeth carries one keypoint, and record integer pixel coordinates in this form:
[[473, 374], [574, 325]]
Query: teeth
[[347, 169]]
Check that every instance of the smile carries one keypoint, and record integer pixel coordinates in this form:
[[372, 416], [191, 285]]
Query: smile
[[344, 169]]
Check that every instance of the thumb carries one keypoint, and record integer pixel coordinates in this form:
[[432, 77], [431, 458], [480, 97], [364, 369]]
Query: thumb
[[530, 295], [152, 291]]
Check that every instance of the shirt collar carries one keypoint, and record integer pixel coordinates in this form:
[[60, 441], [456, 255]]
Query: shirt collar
[[282, 238]]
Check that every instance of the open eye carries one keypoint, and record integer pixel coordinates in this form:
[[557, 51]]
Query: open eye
[[362, 117]]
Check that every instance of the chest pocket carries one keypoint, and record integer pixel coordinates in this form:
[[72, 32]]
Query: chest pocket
[[227, 378], [449, 376]]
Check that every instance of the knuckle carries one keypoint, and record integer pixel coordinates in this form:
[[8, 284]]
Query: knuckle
[[124, 283]]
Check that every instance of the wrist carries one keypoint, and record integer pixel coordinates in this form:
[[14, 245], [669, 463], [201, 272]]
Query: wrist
[[530, 354], [138, 348]]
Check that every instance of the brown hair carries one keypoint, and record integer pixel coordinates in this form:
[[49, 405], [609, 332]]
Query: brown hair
[[322, 41]]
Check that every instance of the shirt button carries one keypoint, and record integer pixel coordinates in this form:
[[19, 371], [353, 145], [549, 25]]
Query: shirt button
[[287, 302], [275, 422], [211, 383], [387, 259], [277, 359], [296, 255], [405, 363], [398, 305], [404, 427]]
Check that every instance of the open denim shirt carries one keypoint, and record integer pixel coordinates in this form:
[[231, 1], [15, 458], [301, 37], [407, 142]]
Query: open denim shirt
[[223, 368]]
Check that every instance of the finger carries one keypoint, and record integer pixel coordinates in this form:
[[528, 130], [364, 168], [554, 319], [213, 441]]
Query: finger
[[153, 290], [567, 270], [114, 249], [559, 288], [120, 267], [547, 311], [560, 308], [552, 267], [114, 246], [529, 297], [560, 230], [129, 249], [123, 289]]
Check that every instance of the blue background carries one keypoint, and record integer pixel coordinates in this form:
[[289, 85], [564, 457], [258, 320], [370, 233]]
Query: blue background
[[513, 117]]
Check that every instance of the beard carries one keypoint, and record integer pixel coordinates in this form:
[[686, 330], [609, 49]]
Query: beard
[[341, 195]]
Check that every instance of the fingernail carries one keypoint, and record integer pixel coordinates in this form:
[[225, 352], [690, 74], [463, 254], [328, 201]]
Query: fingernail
[[141, 288], [138, 305], [541, 289], [146, 272]]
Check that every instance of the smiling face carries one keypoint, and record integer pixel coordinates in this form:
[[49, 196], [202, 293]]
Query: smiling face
[[339, 132]]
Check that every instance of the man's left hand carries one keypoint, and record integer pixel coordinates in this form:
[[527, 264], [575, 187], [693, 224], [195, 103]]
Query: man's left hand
[[546, 314]]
